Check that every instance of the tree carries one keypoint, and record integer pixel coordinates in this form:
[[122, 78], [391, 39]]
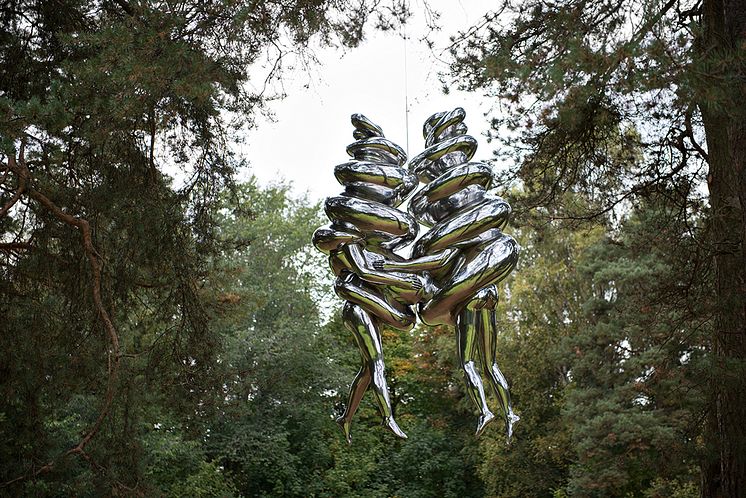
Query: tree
[[635, 402], [102, 252], [268, 421], [280, 370], [575, 77]]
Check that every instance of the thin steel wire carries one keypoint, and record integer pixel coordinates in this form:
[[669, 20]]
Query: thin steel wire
[[406, 74]]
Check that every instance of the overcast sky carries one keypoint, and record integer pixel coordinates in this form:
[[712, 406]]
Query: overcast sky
[[311, 126]]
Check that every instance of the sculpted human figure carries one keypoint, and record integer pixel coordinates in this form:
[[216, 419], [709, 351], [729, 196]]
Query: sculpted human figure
[[365, 228], [465, 251]]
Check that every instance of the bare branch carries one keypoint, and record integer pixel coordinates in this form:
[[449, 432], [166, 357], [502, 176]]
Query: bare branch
[[21, 182], [690, 134]]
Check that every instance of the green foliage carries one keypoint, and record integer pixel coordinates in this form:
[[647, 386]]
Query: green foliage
[[630, 115], [543, 310], [269, 425], [607, 359], [101, 102], [231, 361], [641, 369], [178, 468], [600, 98]]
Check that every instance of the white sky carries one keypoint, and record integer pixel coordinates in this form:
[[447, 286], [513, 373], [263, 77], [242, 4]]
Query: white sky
[[311, 126]]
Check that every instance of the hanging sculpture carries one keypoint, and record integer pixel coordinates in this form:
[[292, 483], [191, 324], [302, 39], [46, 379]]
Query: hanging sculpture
[[454, 269], [366, 227]]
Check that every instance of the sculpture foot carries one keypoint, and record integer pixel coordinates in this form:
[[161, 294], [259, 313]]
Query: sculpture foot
[[345, 425], [484, 419], [511, 419], [391, 425]]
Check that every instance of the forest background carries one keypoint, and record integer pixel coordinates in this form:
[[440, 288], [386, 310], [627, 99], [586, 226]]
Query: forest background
[[170, 340]]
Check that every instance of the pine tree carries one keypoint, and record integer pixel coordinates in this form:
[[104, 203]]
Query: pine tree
[[572, 78], [103, 253]]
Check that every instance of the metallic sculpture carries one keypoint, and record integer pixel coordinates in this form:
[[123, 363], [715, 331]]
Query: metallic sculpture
[[466, 237], [365, 228], [454, 269]]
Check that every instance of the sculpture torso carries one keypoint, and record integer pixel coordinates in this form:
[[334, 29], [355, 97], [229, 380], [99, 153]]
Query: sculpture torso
[[462, 214]]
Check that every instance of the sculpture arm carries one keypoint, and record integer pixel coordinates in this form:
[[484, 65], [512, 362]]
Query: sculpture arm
[[423, 263], [366, 269]]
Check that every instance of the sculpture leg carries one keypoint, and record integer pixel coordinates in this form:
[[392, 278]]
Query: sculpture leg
[[466, 330], [487, 332], [373, 373], [357, 390]]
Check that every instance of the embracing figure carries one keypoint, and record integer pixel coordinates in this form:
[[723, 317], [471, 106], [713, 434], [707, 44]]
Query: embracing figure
[[465, 251], [365, 228], [455, 267]]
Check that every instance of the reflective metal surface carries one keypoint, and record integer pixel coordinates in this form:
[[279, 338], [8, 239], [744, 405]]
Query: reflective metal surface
[[467, 219], [365, 229], [454, 269]]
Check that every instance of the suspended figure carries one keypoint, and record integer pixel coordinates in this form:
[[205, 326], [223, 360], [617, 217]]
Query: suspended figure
[[465, 252], [365, 228]]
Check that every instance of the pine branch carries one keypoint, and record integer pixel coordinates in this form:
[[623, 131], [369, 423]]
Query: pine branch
[[19, 190], [15, 246], [19, 167]]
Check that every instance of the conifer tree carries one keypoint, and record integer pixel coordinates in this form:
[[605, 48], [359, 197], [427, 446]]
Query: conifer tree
[[102, 252], [572, 77]]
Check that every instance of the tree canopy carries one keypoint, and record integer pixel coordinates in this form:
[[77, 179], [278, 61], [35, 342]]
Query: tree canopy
[[632, 104], [169, 331]]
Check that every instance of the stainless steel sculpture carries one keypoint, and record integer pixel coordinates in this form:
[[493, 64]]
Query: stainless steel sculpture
[[454, 268], [365, 228], [464, 217]]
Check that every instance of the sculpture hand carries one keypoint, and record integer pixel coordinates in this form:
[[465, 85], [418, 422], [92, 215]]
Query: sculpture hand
[[414, 281]]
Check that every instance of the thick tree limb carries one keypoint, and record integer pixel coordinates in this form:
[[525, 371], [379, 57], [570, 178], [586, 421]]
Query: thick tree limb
[[15, 246], [18, 166]]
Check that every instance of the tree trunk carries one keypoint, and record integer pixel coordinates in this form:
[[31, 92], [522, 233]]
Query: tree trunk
[[724, 40]]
